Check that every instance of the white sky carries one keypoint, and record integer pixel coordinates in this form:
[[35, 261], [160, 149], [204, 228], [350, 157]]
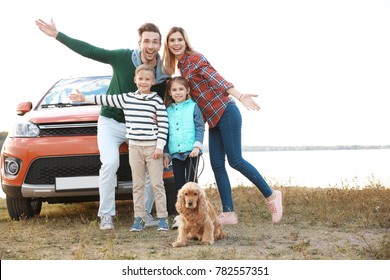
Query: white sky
[[321, 68]]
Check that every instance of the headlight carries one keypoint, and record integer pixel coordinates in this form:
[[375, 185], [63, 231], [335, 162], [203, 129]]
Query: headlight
[[25, 130], [11, 166]]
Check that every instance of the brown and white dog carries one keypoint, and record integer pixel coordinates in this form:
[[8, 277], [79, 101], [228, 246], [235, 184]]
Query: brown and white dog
[[198, 219]]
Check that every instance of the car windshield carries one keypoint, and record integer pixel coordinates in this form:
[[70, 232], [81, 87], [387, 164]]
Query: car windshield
[[58, 95]]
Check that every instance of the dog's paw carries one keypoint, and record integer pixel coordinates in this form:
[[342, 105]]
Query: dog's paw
[[219, 235], [178, 244], [207, 242]]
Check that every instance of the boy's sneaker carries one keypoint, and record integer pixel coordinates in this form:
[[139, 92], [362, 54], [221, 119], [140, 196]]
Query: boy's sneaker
[[276, 208], [228, 218], [163, 224], [177, 222], [106, 222], [150, 221], [139, 224]]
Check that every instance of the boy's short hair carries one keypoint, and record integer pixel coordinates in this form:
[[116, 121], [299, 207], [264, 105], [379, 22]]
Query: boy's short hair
[[146, 68]]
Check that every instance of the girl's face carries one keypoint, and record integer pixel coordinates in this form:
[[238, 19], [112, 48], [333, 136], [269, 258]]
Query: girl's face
[[177, 44], [144, 81], [178, 92]]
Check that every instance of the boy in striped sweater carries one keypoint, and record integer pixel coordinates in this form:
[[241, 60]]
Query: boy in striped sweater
[[147, 130]]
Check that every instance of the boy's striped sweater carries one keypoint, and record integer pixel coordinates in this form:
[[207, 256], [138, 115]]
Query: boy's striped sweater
[[140, 112]]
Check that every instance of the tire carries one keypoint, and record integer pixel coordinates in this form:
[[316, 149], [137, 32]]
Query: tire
[[36, 206], [23, 208]]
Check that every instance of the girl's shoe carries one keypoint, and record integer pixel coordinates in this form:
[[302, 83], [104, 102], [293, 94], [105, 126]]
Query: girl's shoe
[[177, 222]]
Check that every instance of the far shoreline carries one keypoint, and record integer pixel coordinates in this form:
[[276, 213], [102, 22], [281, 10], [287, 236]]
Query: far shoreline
[[264, 148], [309, 148]]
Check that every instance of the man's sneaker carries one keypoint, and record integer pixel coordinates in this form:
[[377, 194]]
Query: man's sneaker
[[139, 224], [228, 218], [163, 224], [106, 222], [276, 208], [177, 222], [150, 221]]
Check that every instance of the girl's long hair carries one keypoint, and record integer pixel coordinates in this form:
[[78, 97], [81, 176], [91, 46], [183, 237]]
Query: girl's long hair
[[168, 100]]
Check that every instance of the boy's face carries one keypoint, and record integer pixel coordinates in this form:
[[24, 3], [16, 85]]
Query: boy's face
[[144, 81]]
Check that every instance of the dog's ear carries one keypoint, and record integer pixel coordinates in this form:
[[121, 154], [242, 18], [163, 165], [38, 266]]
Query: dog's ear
[[180, 201], [202, 202]]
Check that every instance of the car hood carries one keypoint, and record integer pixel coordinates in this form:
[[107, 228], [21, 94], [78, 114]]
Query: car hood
[[64, 115]]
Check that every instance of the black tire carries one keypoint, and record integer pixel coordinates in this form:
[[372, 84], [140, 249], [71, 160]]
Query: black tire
[[23, 208], [36, 206]]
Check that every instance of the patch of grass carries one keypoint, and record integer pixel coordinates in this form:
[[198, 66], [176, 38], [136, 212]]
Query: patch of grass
[[318, 223], [380, 251]]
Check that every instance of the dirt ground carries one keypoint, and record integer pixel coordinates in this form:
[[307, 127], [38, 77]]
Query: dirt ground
[[66, 234]]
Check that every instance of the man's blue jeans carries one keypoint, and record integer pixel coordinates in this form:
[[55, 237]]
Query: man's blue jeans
[[225, 140]]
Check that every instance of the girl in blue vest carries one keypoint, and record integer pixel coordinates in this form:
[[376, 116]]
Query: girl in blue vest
[[185, 135]]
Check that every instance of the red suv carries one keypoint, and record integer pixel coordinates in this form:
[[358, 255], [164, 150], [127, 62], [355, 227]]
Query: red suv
[[52, 156]]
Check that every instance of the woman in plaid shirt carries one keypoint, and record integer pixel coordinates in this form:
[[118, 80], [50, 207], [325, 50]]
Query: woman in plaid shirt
[[213, 94]]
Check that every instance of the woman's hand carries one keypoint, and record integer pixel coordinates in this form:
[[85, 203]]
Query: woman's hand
[[247, 100]]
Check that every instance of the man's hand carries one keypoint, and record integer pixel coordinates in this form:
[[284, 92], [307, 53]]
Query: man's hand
[[49, 29]]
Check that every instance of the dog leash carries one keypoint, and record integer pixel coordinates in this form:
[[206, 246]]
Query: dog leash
[[195, 169]]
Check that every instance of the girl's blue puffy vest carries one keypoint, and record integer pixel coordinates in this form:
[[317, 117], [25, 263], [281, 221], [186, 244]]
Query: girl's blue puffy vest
[[181, 127]]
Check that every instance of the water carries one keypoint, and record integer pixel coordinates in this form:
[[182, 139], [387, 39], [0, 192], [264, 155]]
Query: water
[[325, 168], [328, 168]]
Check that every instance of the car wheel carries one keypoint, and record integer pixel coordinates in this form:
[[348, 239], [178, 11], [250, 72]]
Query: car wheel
[[23, 208], [36, 206]]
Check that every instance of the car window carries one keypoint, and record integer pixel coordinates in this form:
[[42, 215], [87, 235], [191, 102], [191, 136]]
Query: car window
[[59, 93]]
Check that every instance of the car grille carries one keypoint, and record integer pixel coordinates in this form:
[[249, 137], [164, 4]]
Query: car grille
[[68, 129], [45, 170]]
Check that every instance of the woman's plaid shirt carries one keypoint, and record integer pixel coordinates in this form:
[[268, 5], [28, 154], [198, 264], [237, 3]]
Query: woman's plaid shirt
[[208, 87]]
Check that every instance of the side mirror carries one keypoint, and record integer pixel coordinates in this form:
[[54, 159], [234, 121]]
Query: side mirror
[[23, 108]]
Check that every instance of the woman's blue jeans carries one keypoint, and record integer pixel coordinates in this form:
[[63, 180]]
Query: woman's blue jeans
[[225, 140]]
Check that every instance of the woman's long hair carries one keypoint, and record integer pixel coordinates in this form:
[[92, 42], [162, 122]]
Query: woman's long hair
[[169, 60]]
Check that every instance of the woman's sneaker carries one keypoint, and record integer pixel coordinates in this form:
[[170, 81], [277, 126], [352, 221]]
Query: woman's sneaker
[[139, 224], [162, 224], [276, 208], [106, 222], [228, 218]]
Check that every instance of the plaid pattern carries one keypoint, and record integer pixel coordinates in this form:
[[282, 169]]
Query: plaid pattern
[[208, 88]]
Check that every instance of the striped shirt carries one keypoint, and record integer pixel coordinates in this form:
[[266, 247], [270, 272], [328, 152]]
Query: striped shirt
[[140, 111], [208, 87]]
